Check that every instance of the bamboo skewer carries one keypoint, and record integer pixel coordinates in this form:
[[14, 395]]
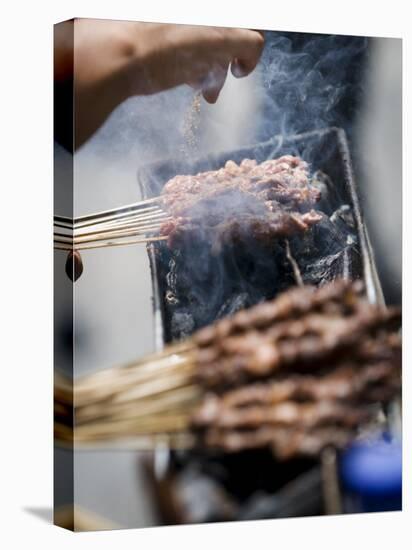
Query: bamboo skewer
[[117, 213], [151, 397], [129, 224], [112, 227], [96, 387], [140, 226], [180, 398], [68, 248], [294, 264], [157, 215], [146, 213], [114, 213], [131, 221], [125, 208], [105, 235]]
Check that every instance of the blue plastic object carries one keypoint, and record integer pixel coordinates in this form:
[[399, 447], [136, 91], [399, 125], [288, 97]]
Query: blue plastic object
[[372, 475]]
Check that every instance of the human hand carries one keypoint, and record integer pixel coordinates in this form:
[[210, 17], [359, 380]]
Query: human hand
[[198, 56], [114, 60]]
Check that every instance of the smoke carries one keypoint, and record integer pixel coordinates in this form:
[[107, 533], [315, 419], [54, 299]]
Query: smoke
[[310, 82]]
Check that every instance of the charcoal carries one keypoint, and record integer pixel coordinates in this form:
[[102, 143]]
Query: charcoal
[[202, 287], [182, 324], [328, 238], [343, 218], [205, 287], [233, 304], [326, 269]]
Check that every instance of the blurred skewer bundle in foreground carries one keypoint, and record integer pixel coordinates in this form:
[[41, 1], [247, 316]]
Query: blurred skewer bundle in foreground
[[297, 374]]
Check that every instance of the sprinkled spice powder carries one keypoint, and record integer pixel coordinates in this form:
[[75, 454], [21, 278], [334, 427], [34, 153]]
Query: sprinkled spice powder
[[191, 123]]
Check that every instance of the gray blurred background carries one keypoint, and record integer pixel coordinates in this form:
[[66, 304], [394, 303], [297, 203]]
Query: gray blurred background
[[112, 300]]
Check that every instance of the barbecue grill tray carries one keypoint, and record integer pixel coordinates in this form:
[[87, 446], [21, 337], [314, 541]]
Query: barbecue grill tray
[[326, 150]]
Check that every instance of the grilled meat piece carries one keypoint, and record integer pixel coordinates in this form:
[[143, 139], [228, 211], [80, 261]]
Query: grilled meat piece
[[288, 413], [265, 201], [286, 443], [348, 383], [284, 176], [318, 330], [300, 344], [264, 228]]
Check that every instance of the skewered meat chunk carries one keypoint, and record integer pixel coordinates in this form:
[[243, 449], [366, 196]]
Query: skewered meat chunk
[[297, 344], [267, 201], [264, 229], [282, 175], [298, 373], [285, 443], [317, 331], [289, 413], [347, 383]]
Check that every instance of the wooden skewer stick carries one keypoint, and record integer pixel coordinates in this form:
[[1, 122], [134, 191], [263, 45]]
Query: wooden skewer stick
[[107, 429], [109, 234], [113, 211], [115, 382], [175, 440], [64, 225], [142, 226], [295, 268], [105, 236], [74, 224], [132, 217], [103, 385], [159, 218], [130, 206], [117, 235], [64, 220], [109, 382], [178, 399], [61, 246], [146, 212]]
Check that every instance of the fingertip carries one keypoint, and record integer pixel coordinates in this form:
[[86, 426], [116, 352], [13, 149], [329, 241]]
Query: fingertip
[[235, 69], [240, 69], [211, 96]]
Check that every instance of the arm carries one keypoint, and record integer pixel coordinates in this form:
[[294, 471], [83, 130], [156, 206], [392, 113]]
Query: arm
[[114, 60]]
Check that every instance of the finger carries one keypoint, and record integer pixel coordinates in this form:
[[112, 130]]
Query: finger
[[247, 46], [214, 83], [243, 67], [238, 69]]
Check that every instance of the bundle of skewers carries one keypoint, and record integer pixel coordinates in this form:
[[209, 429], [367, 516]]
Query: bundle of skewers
[[297, 374], [111, 227], [268, 200], [137, 223]]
